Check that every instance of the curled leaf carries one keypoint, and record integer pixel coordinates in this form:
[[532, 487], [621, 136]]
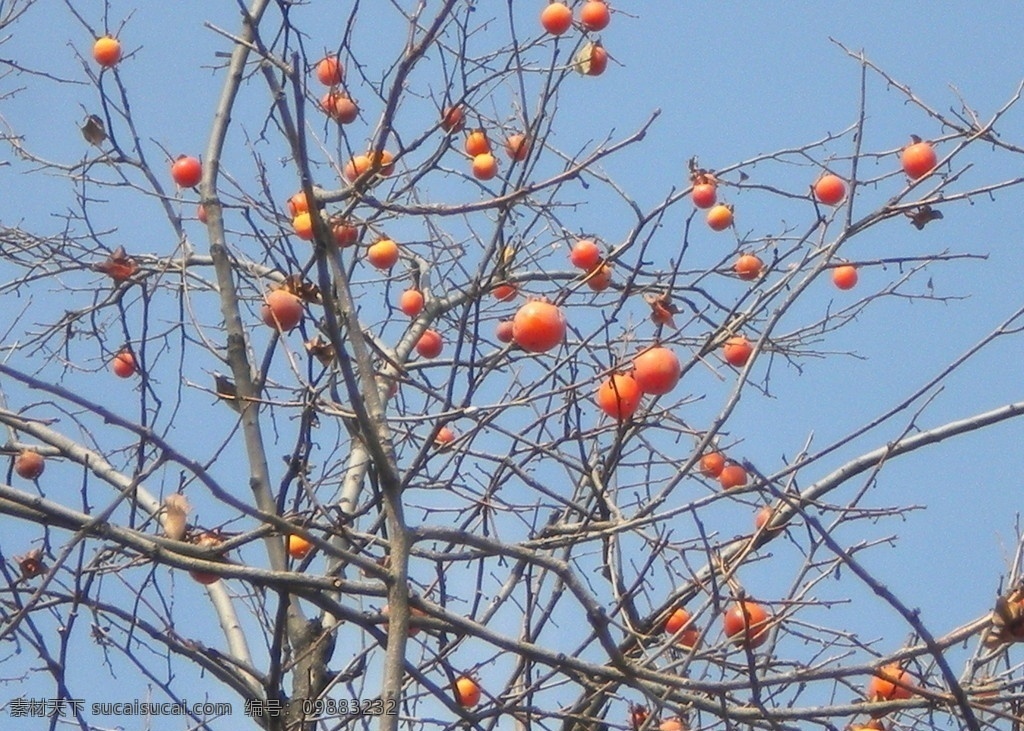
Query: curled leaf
[[922, 216], [94, 131], [118, 266], [662, 309], [176, 509], [31, 564]]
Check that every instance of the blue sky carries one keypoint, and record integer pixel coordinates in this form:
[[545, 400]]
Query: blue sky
[[731, 81]]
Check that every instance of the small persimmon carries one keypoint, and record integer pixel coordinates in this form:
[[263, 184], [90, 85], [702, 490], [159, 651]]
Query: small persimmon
[[594, 15], [592, 59], [29, 464], [600, 277], [556, 18], [829, 189], [517, 146], [732, 475], [748, 267], [106, 51], [585, 254], [297, 204], [411, 302], [187, 171], [445, 435], [430, 344], [453, 119], [123, 364], [720, 217], [890, 682], [675, 622], [329, 71], [357, 166], [340, 107], [302, 224], [503, 331], [383, 254], [746, 624], [538, 326], [345, 234], [467, 691], [619, 396], [477, 143], [485, 166], [845, 276], [281, 310], [712, 464], [704, 195], [656, 370], [298, 547], [505, 292], [918, 159], [737, 350]]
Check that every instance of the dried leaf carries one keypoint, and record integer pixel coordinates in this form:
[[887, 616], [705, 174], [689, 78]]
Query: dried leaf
[[94, 131], [662, 309], [303, 289], [176, 509], [1007, 620], [31, 564], [923, 216], [118, 266], [321, 349]]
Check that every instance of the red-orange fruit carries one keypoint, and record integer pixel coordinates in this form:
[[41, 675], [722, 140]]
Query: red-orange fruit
[[538, 326], [619, 396], [656, 370]]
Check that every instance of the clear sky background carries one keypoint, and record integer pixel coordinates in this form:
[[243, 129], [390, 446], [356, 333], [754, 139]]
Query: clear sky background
[[732, 80]]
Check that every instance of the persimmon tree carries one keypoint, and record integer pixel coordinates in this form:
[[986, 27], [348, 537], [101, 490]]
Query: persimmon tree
[[433, 411]]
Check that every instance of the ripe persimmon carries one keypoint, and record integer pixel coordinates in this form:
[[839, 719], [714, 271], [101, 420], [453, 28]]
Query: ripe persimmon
[[746, 624], [503, 331], [517, 146], [339, 106], [329, 71], [282, 310], [829, 189], [594, 15], [29, 464], [585, 254], [619, 396], [414, 612], [444, 436], [302, 224], [704, 195], [732, 475], [845, 276], [297, 204], [737, 350], [453, 119], [505, 292], [485, 166], [720, 217], [123, 364], [891, 682], [345, 234], [430, 344], [556, 18], [477, 143], [675, 622], [599, 278], [712, 464], [106, 51], [656, 370], [592, 59], [467, 692], [748, 266], [298, 547], [356, 167], [918, 159], [538, 326], [411, 302], [187, 171], [383, 254]]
